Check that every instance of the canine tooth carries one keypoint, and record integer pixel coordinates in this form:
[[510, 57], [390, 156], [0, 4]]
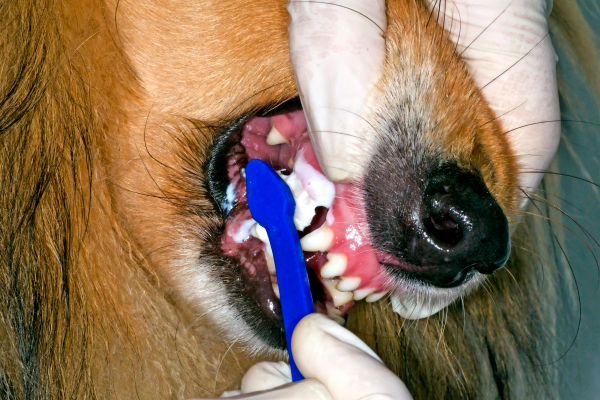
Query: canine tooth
[[270, 262], [339, 298], [275, 137], [409, 310], [375, 296], [348, 284], [335, 265], [275, 289], [362, 293], [260, 233], [318, 240]]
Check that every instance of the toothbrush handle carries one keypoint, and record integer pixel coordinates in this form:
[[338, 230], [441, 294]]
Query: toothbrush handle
[[296, 299]]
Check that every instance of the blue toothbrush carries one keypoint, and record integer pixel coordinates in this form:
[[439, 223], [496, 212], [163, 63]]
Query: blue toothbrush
[[272, 205]]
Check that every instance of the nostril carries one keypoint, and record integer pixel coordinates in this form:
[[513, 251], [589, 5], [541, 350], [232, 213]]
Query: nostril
[[487, 268], [444, 229], [442, 221]]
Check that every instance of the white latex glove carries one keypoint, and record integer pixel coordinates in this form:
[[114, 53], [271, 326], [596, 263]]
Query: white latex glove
[[337, 50], [337, 56], [337, 365], [509, 54]]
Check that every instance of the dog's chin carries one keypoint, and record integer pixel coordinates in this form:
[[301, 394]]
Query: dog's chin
[[226, 274], [415, 299]]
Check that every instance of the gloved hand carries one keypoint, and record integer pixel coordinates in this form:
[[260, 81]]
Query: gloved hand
[[504, 42], [509, 54], [337, 50], [337, 365]]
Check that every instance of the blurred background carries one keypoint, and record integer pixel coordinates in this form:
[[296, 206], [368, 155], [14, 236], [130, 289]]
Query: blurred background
[[579, 157]]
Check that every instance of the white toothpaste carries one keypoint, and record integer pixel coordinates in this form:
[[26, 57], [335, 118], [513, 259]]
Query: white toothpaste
[[310, 190], [244, 232], [321, 189], [305, 204], [229, 197]]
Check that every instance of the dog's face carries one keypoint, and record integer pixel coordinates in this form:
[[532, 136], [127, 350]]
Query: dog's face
[[427, 220]]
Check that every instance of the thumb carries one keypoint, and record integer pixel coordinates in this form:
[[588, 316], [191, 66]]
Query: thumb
[[342, 362]]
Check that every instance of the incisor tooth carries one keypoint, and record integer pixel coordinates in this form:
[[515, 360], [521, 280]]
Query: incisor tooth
[[375, 296], [335, 265], [348, 284], [362, 293], [318, 240], [276, 289], [339, 298], [275, 137]]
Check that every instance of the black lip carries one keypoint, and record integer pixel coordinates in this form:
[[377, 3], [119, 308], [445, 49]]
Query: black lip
[[215, 170]]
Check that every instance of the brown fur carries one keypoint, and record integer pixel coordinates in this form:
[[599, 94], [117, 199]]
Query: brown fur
[[107, 115]]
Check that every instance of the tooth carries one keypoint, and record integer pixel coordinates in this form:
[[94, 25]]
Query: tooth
[[260, 233], [270, 262], [362, 293], [275, 289], [335, 266], [409, 310], [335, 315], [318, 240], [275, 137], [348, 284], [291, 163], [375, 296], [332, 310], [339, 298], [339, 319]]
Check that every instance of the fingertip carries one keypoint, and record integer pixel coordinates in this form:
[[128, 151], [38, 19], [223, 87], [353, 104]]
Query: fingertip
[[266, 376]]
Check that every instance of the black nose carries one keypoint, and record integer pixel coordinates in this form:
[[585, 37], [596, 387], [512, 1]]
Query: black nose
[[460, 228]]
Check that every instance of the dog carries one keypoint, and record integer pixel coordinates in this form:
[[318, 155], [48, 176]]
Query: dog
[[124, 125]]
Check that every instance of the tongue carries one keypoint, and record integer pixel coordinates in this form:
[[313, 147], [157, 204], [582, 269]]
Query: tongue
[[337, 50]]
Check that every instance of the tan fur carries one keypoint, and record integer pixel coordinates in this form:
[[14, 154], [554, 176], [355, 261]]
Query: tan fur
[[107, 107]]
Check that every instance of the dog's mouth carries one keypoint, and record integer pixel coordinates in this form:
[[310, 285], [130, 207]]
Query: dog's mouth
[[424, 265], [342, 265]]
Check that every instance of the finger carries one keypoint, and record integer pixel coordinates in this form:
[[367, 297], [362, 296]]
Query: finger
[[303, 390], [266, 376], [230, 393], [510, 56], [347, 367], [337, 49]]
